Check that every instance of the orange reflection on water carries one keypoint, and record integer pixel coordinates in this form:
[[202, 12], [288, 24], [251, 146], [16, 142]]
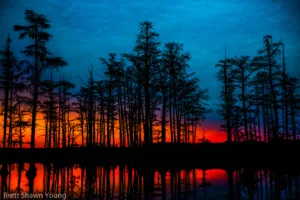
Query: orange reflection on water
[[126, 182], [106, 181]]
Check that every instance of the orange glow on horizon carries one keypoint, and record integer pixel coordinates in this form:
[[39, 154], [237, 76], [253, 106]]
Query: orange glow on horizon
[[211, 133]]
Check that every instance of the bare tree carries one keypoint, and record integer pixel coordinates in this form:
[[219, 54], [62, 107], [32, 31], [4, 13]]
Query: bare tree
[[36, 30], [8, 69], [225, 75]]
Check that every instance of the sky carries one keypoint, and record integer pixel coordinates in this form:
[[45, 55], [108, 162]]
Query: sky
[[83, 31]]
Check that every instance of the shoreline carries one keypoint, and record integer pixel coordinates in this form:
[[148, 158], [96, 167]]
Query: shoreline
[[275, 155]]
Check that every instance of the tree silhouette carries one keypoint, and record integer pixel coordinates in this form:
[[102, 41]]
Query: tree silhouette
[[145, 95], [145, 59], [110, 87], [6, 66], [225, 75], [268, 60], [242, 70], [293, 99], [175, 64], [35, 30], [255, 93], [65, 109]]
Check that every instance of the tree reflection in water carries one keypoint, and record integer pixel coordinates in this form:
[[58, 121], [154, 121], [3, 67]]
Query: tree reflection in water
[[125, 182]]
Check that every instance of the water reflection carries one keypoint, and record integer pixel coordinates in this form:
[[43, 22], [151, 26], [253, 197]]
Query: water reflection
[[125, 182]]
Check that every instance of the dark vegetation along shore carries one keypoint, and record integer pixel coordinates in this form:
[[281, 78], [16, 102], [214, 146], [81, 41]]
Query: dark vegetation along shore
[[145, 96], [274, 155]]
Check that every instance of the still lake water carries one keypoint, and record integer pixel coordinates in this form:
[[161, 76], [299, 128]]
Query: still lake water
[[125, 182]]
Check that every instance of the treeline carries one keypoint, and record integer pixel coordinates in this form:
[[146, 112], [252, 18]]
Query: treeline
[[260, 100], [143, 97]]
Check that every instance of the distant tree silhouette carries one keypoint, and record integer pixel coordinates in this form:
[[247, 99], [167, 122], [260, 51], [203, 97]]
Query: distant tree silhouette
[[65, 109], [36, 30], [163, 92], [175, 62], [145, 59], [285, 115], [10, 82], [90, 109], [7, 64], [255, 93], [225, 75], [268, 58], [101, 111], [293, 100], [242, 71], [110, 85], [49, 107], [263, 98], [21, 111], [80, 108], [140, 96]]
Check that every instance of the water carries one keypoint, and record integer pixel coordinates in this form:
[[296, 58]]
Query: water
[[126, 182]]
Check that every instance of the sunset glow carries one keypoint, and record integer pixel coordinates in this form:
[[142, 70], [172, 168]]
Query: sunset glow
[[211, 130], [150, 100]]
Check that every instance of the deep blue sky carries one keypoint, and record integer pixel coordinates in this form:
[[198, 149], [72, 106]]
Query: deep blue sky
[[85, 30]]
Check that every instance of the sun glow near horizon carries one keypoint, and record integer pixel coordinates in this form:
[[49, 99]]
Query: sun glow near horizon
[[212, 133]]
